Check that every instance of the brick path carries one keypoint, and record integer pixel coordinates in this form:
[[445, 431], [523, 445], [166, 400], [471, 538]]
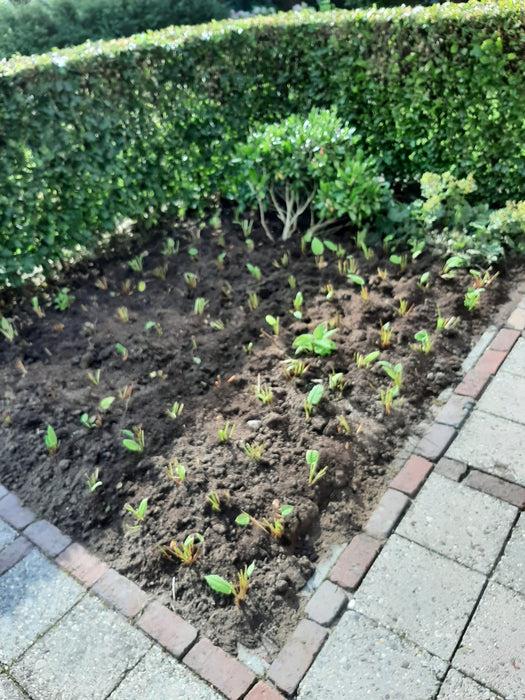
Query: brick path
[[428, 603]]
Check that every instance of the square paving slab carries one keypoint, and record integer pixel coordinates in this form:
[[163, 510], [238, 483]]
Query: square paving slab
[[89, 651], [515, 362], [33, 595], [511, 568], [492, 444], [504, 397], [493, 648], [458, 687], [465, 525], [7, 535], [158, 676], [362, 659], [420, 594]]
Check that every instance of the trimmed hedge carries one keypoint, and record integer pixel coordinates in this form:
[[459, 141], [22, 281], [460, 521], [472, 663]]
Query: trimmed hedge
[[140, 126]]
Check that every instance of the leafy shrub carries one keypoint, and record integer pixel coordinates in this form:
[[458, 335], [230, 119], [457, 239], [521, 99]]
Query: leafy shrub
[[302, 164], [141, 126]]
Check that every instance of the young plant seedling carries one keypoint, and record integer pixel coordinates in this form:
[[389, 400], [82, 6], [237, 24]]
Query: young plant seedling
[[388, 397], [254, 271], [226, 433], [237, 590], [219, 260], [335, 382], [214, 500], [134, 439], [193, 253], [102, 283], [191, 279], [199, 305], [318, 342], [51, 441], [424, 342], [170, 247], [175, 411], [36, 307], [275, 528], [273, 323], [343, 426], [217, 325], [395, 372], [313, 399], [92, 481], [385, 334], [401, 260], [445, 324], [483, 279], [472, 298], [254, 450], [89, 421], [139, 514], [253, 301], [250, 245], [136, 263], [364, 361], [95, 377], [298, 306], [105, 403], [263, 392], [7, 329], [382, 274], [424, 281], [63, 299], [293, 367], [160, 272], [312, 459], [292, 282], [356, 279], [188, 553], [152, 324], [176, 471], [246, 226], [122, 351], [403, 309], [364, 295], [124, 392], [122, 314]]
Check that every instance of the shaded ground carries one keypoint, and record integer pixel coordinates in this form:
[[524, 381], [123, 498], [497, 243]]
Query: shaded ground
[[212, 368]]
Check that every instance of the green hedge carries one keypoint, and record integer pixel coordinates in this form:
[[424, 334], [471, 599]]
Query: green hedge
[[140, 126]]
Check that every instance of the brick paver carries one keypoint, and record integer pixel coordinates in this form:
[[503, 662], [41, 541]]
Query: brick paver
[[263, 692], [13, 512], [83, 565], [435, 442], [48, 537], [124, 595], [494, 486], [410, 479], [326, 603], [387, 514], [455, 411], [167, 628], [226, 673], [355, 561]]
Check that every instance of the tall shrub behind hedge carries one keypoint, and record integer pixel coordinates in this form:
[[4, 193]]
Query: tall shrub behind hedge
[[130, 127]]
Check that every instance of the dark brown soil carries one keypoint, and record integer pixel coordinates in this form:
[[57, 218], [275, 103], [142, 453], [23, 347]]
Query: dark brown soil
[[44, 381]]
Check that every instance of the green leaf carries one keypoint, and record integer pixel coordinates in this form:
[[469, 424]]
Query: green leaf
[[286, 511], [218, 584], [131, 445], [312, 456], [317, 246], [106, 402], [243, 519], [316, 394]]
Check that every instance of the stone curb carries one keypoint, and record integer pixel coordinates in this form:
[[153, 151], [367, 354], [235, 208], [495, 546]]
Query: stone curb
[[226, 673]]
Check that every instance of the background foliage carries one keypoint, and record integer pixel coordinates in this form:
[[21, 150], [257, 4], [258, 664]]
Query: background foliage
[[142, 126]]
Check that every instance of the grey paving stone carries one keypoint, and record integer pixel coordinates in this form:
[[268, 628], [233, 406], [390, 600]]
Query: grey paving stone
[[420, 594], [9, 691], [493, 648], [505, 397], [7, 534], [511, 568], [478, 350], [158, 676], [492, 444], [84, 656], [465, 525], [362, 659], [33, 595], [457, 686], [515, 362]]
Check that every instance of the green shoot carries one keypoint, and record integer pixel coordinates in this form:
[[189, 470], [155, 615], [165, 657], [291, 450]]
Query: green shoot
[[217, 325], [385, 334], [193, 253], [102, 283], [403, 308], [343, 425], [317, 342], [254, 271], [312, 459], [472, 298], [293, 367], [36, 307], [176, 471], [335, 382], [365, 360], [253, 301], [51, 441], [246, 226], [122, 351], [63, 299], [214, 500], [200, 304], [394, 372], [275, 528], [124, 392], [356, 279], [7, 329], [139, 513], [387, 397], [424, 342], [226, 433], [92, 481], [152, 324], [175, 411], [292, 282], [134, 439], [250, 245], [88, 421], [187, 553], [247, 349], [170, 247], [424, 281], [382, 274], [219, 261], [191, 279], [401, 260], [106, 402], [313, 399], [297, 306], [94, 378], [273, 323], [263, 392], [238, 590], [136, 263], [122, 314], [254, 450], [445, 324], [160, 272]]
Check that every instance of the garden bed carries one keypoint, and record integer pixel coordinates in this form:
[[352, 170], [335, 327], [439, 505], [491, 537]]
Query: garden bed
[[212, 363]]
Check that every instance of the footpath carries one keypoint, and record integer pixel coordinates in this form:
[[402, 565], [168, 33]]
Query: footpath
[[428, 603]]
